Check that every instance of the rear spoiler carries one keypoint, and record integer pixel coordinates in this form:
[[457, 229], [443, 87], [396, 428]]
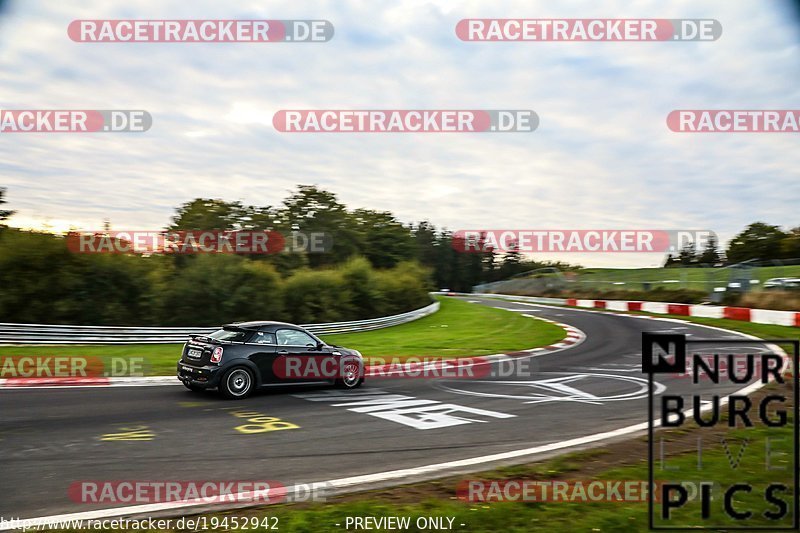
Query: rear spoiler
[[228, 327], [237, 327], [203, 338]]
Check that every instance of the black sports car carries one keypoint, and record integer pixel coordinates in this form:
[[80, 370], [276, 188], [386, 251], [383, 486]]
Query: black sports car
[[241, 357]]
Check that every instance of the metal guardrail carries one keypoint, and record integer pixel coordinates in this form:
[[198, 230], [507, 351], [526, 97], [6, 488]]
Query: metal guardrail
[[24, 334]]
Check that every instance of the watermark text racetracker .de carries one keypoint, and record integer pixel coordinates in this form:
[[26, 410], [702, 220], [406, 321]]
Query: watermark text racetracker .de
[[404, 121], [583, 30], [140, 491], [734, 121], [74, 121], [299, 367], [244, 242], [553, 491], [71, 366], [200, 31], [580, 241]]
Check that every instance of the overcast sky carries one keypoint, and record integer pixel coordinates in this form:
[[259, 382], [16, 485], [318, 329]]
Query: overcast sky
[[601, 158]]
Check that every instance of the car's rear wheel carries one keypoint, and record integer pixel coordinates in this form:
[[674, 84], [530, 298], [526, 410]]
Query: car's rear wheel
[[237, 383], [352, 376]]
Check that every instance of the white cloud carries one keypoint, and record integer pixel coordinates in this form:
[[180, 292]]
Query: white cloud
[[602, 156]]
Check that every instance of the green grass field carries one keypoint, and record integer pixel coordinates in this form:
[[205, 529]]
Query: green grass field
[[459, 329], [674, 278]]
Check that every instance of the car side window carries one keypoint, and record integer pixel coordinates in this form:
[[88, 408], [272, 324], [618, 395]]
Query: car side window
[[263, 337], [293, 337]]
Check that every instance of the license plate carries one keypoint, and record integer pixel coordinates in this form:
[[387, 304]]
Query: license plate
[[194, 354]]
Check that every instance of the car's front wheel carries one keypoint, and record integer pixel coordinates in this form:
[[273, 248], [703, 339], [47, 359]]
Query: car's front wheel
[[237, 383], [352, 375]]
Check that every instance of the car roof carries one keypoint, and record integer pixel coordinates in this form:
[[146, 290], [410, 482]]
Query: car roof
[[258, 324]]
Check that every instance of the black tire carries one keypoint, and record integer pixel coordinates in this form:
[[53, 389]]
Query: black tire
[[237, 384], [353, 376], [193, 388]]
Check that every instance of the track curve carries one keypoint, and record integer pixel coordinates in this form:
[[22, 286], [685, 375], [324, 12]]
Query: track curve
[[389, 425]]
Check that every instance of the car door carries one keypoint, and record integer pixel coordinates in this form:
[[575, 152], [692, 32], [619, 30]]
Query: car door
[[300, 359], [263, 354]]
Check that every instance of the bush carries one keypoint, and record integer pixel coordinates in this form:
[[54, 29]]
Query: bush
[[779, 300], [405, 287], [43, 282], [363, 287], [355, 291], [210, 290], [314, 296]]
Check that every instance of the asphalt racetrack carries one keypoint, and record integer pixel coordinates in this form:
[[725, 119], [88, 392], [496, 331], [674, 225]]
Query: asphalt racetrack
[[53, 438]]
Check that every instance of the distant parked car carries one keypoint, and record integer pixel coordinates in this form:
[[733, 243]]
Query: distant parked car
[[239, 358], [785, 284]]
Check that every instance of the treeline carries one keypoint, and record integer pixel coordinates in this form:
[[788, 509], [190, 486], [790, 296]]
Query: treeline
[[376, 235], [43, 282], [759, 242], [377, 266]]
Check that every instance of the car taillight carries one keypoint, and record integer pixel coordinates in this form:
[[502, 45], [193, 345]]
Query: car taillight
[[216, 355]]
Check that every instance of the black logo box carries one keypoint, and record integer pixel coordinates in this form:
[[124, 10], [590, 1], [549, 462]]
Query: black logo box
[[677, 346]]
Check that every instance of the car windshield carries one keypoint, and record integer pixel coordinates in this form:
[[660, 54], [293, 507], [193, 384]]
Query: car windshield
[[234, 335]]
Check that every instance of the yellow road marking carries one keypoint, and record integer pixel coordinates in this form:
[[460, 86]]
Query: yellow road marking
[[135, 433], [192, 404], [261, 423]]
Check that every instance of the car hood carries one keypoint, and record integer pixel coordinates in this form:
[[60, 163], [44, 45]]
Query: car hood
[[345, 351]]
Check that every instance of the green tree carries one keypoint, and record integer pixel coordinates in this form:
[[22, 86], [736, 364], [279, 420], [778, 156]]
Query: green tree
[[710, 254], [790, 245], [208, 214], [315, 296], [757, 241], [363, 289], [384, 240], [406, 287], [426, 242], [4, 213], [512, 261], [311, 210], [44, 282], [688, 255], [255, 218], [214, 289]]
